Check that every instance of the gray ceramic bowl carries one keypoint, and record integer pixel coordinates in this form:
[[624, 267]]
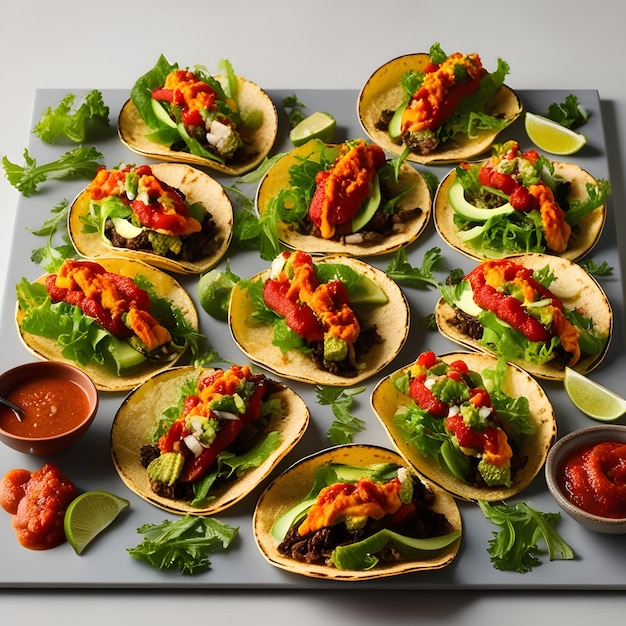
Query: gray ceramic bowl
[[559, 451], [42, 443]]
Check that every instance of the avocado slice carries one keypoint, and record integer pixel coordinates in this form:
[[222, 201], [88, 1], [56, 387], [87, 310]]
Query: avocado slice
[[369, 207], [456, 197], [395, 123], [161, 114]]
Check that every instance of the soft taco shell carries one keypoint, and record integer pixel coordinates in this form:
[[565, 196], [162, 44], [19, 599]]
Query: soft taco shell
[[575, 287], [584, 235], [383, 91], [277, 178], [135, 420], [386, 400], [132, 132], [292, 486], [254, 338], [104, 379], [197, 187]]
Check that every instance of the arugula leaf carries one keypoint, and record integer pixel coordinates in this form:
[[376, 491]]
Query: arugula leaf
[[80, 162], [77, 124], [515, 547], [48, 256], [184, 544], [340, 400], [569, 113], [401, 270]]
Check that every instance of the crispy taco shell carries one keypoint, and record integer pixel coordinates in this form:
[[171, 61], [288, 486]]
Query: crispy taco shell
[[383, 91], [132, 132], [197, 187], [575, 287], [104, 379], [277, 178], [584, 235], [292, 486], [386, 400], [254, 338], [135, 420]]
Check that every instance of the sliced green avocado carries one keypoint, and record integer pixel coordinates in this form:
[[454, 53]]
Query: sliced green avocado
[[161, 114], [366, 291], [456, 197], [123, 356], [395, 123], [369, 206]]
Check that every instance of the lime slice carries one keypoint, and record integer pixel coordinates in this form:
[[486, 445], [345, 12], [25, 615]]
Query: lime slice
[[320, 125], [89, 514], [552, 137], [593, 399]]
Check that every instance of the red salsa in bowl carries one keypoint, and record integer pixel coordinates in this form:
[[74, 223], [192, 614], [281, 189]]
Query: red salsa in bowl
[[586, 475], [59, 401]]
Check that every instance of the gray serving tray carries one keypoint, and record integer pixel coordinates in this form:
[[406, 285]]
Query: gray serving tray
[[599, 562]]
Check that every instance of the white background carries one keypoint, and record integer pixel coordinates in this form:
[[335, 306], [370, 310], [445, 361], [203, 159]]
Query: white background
[[326, 44]]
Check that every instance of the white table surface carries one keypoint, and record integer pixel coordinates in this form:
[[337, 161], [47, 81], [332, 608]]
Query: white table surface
[[323, 44]]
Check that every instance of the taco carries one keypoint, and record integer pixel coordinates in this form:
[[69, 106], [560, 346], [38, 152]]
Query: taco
[[346, 535], [336, 321], [344, 199], [396, 112], [169, 215], [198, 440], [121, 321], [475, 425], [536, 310], [225, 123], [518, 201]]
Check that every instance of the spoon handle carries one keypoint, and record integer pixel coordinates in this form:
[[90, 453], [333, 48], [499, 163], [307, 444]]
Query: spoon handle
[[19, 411]]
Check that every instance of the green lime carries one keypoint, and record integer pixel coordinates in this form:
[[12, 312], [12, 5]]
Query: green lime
[[366, 291], [552, 137], [214, 289], [592, 398], [319, 125], [89, 514]]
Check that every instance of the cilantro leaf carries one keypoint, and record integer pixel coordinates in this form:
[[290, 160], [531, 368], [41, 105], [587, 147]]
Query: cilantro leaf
[[515, 547], [599, 269], [345, 425], [75, 123], [80, 162], [293, 107], [568, 113], [184, 544]]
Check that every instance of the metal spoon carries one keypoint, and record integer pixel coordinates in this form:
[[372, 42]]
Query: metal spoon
[[18, 410]]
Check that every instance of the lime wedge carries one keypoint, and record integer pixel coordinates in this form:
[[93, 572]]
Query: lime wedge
[[319, 125], [592, 398], [214, 289], [552, 137], [89, 514]]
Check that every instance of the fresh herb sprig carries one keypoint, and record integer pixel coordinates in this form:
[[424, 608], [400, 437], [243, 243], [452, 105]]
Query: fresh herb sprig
[[422, 277], [569, 113], [345, 425], [81, 162], [515, 547], [293, 108], [184, 544], [48, 256]]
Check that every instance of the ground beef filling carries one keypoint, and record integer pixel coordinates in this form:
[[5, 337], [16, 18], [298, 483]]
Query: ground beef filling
[[316, 547], [195, 246]]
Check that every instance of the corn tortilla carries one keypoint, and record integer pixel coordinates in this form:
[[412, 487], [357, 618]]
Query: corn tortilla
[[132, 132], [254, 338], [105, 379], [277, 178], [584, 235], [135, 420], [575, 287], [197, 187], [386, 400], [382, 91], [292, 486]]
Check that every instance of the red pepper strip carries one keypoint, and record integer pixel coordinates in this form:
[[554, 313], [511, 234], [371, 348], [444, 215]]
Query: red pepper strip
[[163, 94], [253, 412], [89, 306], [196, 466], [299, 317], [506, 307], [131, 292], [425, 399], [174, 434]]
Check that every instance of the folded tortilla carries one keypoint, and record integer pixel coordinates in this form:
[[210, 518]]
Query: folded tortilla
[[386, 400]]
